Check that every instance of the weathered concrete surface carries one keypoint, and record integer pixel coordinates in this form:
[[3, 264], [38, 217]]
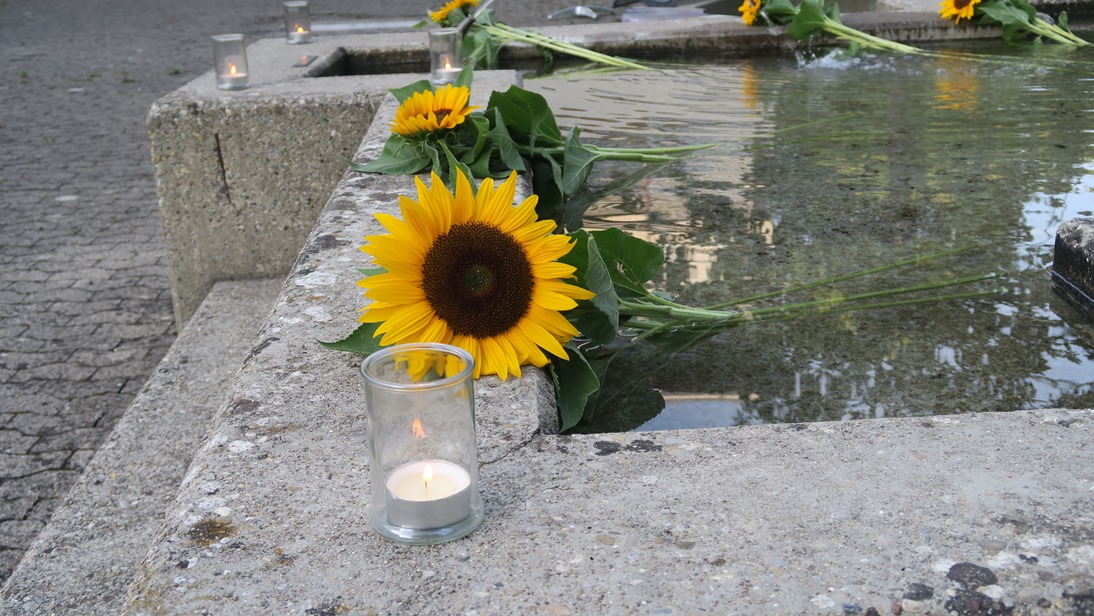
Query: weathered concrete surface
[[809, 519], [1073, 263], [82, 562], [818, 519]]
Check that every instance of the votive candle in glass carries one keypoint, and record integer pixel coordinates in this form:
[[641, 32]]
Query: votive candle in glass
[[423, 461], [297, 22], [230, 61], [445, 55]]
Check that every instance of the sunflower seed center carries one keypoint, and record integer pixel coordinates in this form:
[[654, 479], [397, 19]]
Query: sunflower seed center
[[478, 280]]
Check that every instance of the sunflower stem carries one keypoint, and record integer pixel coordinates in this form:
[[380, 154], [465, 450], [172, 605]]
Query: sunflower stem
[[504, 32], [843, 277], [650, 327], [669, 314], [835, 28]]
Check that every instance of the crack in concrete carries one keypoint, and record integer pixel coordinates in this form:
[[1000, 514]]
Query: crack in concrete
[[512, 450]]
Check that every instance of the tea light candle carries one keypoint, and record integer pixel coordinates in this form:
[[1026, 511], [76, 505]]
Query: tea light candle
[[428, 494], [445, 55], [297, 22], [447, 73], [230, 60]]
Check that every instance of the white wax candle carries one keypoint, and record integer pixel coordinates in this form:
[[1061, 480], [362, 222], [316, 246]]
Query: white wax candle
[[299, 34], [428, 494], [233, 76]]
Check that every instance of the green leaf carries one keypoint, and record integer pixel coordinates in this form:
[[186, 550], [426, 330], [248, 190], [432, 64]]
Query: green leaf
[[577, 163], [527, 113], [479, 127], [682, 338], [781, 12], [405, 92], [1004, 14], [507, 148], [631, 261], [399, 157], [370, 271], [597, 319], [547, 184], [362, 341], [809, 19], [579, 203], [453, 165], [466, 76], [625, 400], [575, 383]]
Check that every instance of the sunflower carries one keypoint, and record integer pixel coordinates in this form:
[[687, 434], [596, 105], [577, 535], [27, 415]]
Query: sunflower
[[474, 272], [958, 9], [428, 111], [439, 15], [749, 9]]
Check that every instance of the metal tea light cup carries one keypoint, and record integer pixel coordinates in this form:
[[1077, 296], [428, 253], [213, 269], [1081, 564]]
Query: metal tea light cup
[[423, 461], [445, 55], [230, 61], [297, 22]]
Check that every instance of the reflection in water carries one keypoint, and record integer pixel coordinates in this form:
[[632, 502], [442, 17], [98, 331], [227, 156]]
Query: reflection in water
[[927, 154]]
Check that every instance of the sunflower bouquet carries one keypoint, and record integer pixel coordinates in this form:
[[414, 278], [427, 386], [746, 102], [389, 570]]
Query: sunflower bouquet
[[1018, 19], [437, 130], [485, 36], [811, 18], [470, 269]]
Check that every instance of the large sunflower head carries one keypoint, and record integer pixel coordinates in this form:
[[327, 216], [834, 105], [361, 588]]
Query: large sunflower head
[[430, 111], [441, 14], [957, 9], [749, 9], [475, 272]]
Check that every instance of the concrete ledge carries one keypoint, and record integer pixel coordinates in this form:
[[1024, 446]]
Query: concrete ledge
[[804, 519], [82, 562]]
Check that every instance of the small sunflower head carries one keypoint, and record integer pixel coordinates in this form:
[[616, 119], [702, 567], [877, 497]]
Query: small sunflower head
[[429, 111], [441, 14], [958, 9], [749, 9]]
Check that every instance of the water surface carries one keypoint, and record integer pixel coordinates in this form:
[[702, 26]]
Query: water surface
[[921, 154]]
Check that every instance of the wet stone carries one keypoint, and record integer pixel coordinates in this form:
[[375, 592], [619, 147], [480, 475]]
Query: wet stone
[[918, 592], [972, 603], [971, 576]]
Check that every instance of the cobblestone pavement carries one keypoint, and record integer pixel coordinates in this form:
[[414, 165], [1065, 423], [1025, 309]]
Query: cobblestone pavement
[[85, 310]]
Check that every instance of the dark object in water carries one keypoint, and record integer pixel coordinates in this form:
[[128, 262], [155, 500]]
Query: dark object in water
[[1073, 264]]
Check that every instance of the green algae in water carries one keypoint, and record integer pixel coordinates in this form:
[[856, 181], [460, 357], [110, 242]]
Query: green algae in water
[[927, 153]]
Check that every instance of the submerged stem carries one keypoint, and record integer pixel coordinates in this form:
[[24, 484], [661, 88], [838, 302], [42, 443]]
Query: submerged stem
[[843, 277]]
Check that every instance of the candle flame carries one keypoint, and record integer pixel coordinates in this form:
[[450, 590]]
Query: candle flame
[[231, 69], [300, 29], [447, 65], [416, 428], [427, 474]]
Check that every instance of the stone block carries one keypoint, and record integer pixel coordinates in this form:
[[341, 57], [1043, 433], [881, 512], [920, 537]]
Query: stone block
[[1073, 265], [241, 176]]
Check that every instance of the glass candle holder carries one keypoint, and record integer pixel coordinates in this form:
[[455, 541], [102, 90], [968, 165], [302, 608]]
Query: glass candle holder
[[297, 22], [423, 461], [230, 61], [445, 55]]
